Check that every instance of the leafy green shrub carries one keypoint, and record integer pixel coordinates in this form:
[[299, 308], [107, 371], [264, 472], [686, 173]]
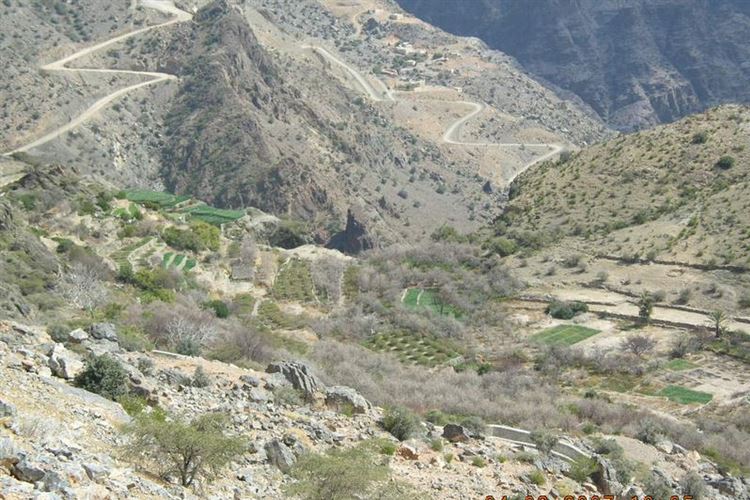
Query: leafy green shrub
[[726, 162], [132, 404], [582, 469], [448, 457], [288, 234], [199, 236], [220, 308], [401, 422], [386, 447], [64, 245], [198, 449], [537, 477], [145, 366], [103, 375], [700, 137], [200, 378], [133, 339], [339, 474], [502, 246], [478, 462], [436, 444], [649, 431], [565, 310], [544, 441], [693, 485]]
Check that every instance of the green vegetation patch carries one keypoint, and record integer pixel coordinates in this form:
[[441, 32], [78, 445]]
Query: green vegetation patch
[[158, 198], [272, 316], [564, 335], [121, 256], [685, 396], [414, 349], [211, 215], [680, 364], [419, 298], [294, 282]]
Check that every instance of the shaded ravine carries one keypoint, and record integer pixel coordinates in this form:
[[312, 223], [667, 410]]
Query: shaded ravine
[[61, 66]]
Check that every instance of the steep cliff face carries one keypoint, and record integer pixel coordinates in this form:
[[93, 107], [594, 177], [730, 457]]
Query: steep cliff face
[[636, 62]]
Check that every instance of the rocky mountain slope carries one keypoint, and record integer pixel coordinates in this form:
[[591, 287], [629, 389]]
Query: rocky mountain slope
[[637, 63], [271, 123], [674, 193]]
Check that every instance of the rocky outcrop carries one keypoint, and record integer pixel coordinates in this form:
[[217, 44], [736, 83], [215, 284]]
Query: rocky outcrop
[[299, 375], [636, 63], [456, 433], [343, 398], [355, 238], [280, 455], [64, 363]]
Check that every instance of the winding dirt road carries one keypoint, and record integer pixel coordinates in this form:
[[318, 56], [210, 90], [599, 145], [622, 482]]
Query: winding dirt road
[[165, 6], [452, 133]]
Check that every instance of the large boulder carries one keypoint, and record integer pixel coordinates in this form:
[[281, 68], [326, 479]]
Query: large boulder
[[605, 477], [64, 363], [27, 472], [280, 455], [343, 398], [299, 375], [103, 331], [456, 433]]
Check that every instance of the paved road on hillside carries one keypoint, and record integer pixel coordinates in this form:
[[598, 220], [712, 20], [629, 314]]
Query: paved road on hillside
[[452, 133], [165, 6]]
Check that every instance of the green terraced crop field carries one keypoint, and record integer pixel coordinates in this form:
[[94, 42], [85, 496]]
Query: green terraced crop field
[[685, 396], [211, 215], [564, 335]]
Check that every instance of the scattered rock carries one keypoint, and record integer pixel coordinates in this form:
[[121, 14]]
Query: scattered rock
[[280, 455], [342, 398], [456, 433], [250, 380], [7, 409], [78, 335], [24, 471], [103, 331], [95, 472], [64, 363], [408, 452], [731, 486], [299, 375]]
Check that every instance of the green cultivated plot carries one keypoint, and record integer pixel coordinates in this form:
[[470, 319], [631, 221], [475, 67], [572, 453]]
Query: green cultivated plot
[[211, 215], [164, 200], [564, 335], [685, 396], [418, 298], [680, 364]]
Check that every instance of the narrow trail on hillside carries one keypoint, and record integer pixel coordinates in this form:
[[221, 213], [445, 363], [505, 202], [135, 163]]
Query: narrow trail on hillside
[[452, 132], [165, 6]]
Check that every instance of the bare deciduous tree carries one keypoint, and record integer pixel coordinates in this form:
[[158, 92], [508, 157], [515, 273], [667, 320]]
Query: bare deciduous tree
[[326, 274], [83, 287], [639, 344]]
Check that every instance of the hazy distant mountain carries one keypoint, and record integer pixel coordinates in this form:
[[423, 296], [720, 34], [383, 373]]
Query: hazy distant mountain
[[636, 62]]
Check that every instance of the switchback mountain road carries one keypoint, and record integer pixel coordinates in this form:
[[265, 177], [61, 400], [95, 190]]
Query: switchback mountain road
[[165, 6], [452, 133]]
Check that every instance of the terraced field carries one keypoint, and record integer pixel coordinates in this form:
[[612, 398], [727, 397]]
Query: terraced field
[[294, 282], [184, 205], [163, 200], [564, 335], [121, 256], [409, 348], [685, 396]]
